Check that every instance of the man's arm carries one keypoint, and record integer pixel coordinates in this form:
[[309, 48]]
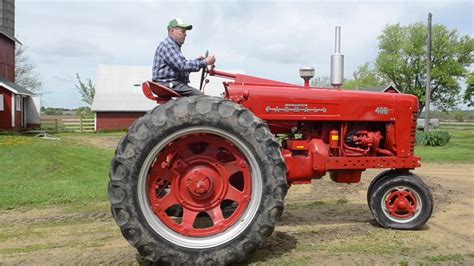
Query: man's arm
[[176, 59]]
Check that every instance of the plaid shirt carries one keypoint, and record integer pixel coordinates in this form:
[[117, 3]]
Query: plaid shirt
[[169, 63]]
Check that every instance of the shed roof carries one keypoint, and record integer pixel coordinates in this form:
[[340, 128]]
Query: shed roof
[[380, 89], [118, 88], [15, 88], [115, 89]]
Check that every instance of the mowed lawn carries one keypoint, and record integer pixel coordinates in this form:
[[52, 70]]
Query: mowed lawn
[[39, 172], [36, 172], [460, 149]]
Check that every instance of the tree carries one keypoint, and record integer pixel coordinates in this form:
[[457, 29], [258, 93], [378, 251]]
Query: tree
[[87, 90], [402, 60], [84, 112], [469, 93], [365, 77], [52, 111], [321, 82], [26, 74]]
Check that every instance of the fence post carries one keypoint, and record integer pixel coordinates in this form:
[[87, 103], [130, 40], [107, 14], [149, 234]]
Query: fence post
[[80, 121], [56, 124]]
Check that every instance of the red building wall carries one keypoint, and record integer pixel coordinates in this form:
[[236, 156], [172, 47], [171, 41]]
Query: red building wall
[[6, 114], [116, 120], [7, 58]]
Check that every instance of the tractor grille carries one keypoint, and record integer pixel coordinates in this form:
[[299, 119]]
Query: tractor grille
[[414, 116]]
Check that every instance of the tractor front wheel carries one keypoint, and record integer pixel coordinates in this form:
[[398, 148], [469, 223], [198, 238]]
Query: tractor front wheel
[[401, 201], [198, 180]]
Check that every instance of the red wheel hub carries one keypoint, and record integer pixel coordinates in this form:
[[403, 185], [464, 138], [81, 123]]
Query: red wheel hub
[[199, 181], [401, 204], [199, 185]]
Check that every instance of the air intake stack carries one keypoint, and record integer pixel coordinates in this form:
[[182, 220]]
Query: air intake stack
[[306, 73], [337, 62]]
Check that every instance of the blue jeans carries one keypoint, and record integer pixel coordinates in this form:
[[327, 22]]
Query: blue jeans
[[182, 88]]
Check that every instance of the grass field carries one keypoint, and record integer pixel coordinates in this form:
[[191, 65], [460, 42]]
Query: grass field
[[460, 149], [39, 172]]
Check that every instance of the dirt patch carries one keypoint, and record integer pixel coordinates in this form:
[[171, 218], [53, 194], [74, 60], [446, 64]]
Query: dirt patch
[[332, 224], [97, 141], [324, 223]]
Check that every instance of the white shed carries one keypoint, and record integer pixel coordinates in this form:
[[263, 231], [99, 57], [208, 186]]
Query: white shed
[[119, 99]]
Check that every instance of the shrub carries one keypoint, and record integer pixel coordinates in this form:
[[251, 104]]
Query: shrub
[[459, 117], [432, 138], [84, 112]]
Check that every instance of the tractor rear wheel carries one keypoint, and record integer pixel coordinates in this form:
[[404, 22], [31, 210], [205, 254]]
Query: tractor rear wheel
[[401, 201], [198, 180]]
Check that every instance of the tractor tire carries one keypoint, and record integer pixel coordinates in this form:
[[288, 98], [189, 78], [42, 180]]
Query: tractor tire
[[385, 174], [198, 180], [401, 201]]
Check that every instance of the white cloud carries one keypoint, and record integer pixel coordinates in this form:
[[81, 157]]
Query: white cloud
[[269, 39]]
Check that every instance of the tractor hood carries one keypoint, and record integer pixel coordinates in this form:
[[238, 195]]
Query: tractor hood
[[273, 100]]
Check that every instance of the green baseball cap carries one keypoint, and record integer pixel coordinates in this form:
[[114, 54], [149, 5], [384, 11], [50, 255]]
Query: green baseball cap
[[177, 22]]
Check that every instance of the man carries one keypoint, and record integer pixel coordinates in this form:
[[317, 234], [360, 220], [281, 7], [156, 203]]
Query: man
[[170, 68]]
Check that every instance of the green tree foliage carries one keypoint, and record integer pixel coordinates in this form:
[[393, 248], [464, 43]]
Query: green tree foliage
[[469, 90], [84, 112], [402, 59], [52, 111], [365, 77], [87, 90], [321, 82]]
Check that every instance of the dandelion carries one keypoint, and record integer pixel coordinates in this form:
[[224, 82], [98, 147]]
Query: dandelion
[[13, 140]]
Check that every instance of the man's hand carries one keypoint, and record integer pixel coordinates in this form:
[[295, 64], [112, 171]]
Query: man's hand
[[210, 60]]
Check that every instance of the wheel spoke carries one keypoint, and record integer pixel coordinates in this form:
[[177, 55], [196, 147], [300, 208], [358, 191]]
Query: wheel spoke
[[161, 174], [182, 149], [216, 215], [232, 168], [189, 217], [166, 202], [397, 193], [183, 153], [211, 150], [411, 208], [391, 207], [234, 194]]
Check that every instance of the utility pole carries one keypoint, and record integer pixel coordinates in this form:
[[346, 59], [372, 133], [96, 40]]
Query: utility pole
[[428, 79]]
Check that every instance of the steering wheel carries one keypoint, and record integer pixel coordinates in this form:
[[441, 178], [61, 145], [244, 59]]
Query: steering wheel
[[203, 73]]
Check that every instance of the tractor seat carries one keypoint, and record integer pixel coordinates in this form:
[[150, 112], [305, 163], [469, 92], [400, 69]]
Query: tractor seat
[[157, 92]]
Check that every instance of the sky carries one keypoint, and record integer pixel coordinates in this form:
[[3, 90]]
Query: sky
[[270, 39]]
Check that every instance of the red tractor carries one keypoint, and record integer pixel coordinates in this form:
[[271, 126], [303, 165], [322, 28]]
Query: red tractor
[[201, 180]]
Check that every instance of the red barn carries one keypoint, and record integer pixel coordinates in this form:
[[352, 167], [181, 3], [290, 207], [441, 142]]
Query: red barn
[[19, 108]]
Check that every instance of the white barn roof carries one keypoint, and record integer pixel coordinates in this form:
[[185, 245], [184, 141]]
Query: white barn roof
[[118, 88]]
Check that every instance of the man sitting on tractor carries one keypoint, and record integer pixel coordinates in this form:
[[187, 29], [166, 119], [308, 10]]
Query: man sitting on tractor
[[170, 67]]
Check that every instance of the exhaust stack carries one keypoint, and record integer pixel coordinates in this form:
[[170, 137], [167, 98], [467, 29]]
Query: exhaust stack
[[337, 62]]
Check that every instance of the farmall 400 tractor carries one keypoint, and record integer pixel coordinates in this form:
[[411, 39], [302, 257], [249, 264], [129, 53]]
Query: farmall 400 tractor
[[201, 180]]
